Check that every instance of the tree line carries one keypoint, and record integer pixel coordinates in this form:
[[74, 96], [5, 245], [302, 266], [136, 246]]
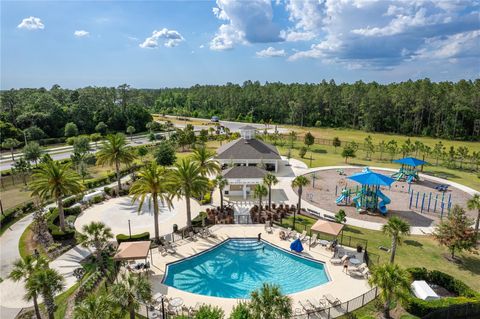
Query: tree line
[[443, 109]]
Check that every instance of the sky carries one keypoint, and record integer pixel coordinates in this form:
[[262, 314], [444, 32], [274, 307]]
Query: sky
[[154, 44]]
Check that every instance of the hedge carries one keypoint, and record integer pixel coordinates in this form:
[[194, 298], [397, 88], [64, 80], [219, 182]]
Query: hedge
[[53, 220], [137, 237], [10, 214], [419, 307]]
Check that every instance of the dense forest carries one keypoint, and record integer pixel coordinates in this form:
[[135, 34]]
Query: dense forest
[[444, 109]]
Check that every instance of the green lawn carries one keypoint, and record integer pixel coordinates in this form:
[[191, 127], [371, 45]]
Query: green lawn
[[325, 155], [416, 251]]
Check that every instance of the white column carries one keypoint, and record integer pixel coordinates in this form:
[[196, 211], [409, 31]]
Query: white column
[[244, 188], [276, 166]]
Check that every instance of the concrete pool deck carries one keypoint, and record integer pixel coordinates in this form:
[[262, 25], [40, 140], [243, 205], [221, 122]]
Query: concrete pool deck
[[341, 285]]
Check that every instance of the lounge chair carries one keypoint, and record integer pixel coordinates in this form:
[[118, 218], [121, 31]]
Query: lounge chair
[[318, 304], [162, 250], [303, 235], [169, 248], [288, 233], [192, 236], [313, 240], [338, 261], [332, 300], [359, 273], [306, 305], [268, 227]]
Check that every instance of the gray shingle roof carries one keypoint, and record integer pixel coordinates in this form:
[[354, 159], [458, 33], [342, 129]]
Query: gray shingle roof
[[247, 149], [247, 127], [244, 172]]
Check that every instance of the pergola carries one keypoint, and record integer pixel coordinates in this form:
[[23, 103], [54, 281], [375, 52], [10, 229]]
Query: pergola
[[133, 251], [327, 227]]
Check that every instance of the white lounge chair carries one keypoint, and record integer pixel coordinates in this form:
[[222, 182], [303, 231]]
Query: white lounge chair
[[359, 273], [303, 235], [318, 304], [169, 248], [268, 227], [338, 261], [313, 240], [192, 236], [306, 305], [332, 300]]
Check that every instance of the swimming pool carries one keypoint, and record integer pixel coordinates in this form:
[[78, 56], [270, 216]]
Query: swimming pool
[[236, 267]]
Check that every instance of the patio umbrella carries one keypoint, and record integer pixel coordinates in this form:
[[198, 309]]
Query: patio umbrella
[[410, 161], [297, 246], [367, 177]]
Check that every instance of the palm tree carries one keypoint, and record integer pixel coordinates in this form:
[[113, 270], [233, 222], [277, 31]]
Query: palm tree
[[203, 157], [130, 291], [395, 228], [259, 192], [94, 307], [221, 182], [53, 180], [270, 303], [10, 143], [48, 282], [23, 269], [299, 182], [96, 235], [394, 283], [152, 185], [270, 180], [474, 203], [187, 181], [114, 151]]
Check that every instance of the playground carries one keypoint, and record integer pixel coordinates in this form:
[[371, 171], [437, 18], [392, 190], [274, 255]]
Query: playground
[[422, 203]]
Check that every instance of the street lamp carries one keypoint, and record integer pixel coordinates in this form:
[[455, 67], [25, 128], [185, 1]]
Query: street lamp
[[25, 137], [129, 229]]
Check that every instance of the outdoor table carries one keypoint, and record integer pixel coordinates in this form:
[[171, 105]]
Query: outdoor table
[[176, 302], [355, 261], [323, 242]]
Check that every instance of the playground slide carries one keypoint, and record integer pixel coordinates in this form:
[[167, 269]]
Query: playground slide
[[410, 179], [382, 206], [356, 201], [340, 199]]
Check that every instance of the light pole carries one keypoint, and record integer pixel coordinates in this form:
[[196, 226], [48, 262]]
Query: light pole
[[24, 137], [129, 229]]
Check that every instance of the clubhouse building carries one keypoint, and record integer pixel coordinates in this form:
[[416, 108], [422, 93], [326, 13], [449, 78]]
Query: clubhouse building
[[245, 162]]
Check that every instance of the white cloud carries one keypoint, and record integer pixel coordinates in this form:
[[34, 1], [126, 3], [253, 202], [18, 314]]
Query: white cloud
[[171, 39], [31, 23], [465, 44], [246, 22], [81, 33], [271, 52], [201, 46]]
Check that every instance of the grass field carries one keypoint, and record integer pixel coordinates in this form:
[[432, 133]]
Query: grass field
[[416, 251]]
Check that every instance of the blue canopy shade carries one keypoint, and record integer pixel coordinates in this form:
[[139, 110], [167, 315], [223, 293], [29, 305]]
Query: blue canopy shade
[[297, 246], [410, 161], [367, 177]]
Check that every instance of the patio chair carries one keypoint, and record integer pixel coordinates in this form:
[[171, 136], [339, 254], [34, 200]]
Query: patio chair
[[332, 300], [313, 240], [162, 250], [169, 248], [268, 227], [338, 261], [306, 305], [303, 235], [318, 304], [192, 236], [359, 273]]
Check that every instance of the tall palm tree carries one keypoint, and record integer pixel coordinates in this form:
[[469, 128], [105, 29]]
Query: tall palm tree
[[300, 182], [259, 192], [474, 203], [396, 228], [96, 235], [95, 307], [23, 269], [269, 303], [394, 283], [114, 151], [221, 182], [48, 282], [187, 181], [205, 160], [270, 180], [53, 180], [131, 291], [152, 185]]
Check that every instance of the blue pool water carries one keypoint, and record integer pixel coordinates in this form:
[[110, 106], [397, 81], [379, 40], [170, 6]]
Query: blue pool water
[[236, 267]]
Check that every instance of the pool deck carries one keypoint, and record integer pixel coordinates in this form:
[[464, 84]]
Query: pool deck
[[341, 285]]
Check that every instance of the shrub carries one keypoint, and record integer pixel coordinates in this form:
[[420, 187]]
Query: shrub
[[302, 152], [137, 237], [209, 312], [53, 222], [10, 214], [197, 221], [241, 311], [207, 199], [421, 307], [97, 199]]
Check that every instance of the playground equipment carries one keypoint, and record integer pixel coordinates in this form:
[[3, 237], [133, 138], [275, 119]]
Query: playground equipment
[[408, 171], [369, 197], [436, 203], [344, 197]]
